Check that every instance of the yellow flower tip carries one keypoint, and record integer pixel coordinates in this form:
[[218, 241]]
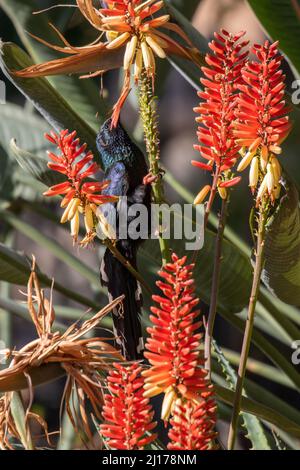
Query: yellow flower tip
[[111, 35], [202, 195], [277, 191], [64, 203], [65, 216], [243, 151], [264, 157], [276, 167], [254, 173], [89, 219], [222, 192], [73, 208], [254, 146], [246, 160], [275, 149], [147, 58], [130, 52], [156, 47], [118, 41], [152, 392], [168, 403], [270, 179], [151, 71], [75, 226], [262, 190], [138, 65]]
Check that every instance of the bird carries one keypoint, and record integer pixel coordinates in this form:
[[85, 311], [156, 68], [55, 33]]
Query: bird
[[125, 168]]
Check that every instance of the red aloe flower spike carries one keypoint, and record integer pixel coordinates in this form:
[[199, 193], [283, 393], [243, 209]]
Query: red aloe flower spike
[[79, 196], [218, 143], [193, 426], [262, 121], [173, 348], [128, 414]]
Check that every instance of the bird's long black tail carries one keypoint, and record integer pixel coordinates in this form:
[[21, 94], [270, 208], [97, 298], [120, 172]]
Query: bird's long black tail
[[126, 317]]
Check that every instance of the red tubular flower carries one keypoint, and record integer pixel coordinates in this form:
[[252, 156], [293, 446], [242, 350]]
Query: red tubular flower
[[262, 119], [173, 346], [217, 141], [192, 426], [127, 412], [79, 196]]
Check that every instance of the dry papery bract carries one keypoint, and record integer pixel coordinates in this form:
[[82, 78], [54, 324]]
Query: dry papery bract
[[83, 359]]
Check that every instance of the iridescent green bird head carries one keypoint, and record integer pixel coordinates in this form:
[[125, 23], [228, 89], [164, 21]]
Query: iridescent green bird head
[[115, 145]]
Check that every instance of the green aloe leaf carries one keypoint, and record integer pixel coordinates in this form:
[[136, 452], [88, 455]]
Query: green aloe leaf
[[36, 166], [15, 268], [259, 368], [52, 246], [282, 248], [186, 8], [26, 127], [83, 94], [261, 411], [19, 417], [53, 107], [189, 70], [268, 349], [15, 122], [281, 20]]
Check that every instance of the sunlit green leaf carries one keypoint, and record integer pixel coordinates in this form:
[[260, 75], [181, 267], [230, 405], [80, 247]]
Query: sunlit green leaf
[[282, 248], [19, 417], [45, 98], [15, 268]]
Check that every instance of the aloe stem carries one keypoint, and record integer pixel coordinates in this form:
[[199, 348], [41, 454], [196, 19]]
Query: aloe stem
[[259, 261], [208, 208], [212, 196], [215, 284], [147, 103]]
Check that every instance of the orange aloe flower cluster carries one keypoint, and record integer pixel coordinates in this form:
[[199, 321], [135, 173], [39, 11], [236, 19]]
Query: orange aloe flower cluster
[[131, 24], [80, 196], [127, 413], [192, 426], [134, 37], [173, 347], [262, 123], [217, 142]]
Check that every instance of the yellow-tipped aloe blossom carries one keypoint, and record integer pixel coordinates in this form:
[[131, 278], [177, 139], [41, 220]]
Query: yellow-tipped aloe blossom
[[130, 36]]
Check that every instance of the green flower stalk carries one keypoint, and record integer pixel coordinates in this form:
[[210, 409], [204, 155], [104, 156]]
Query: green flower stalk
[[149, 117], [262, 126]]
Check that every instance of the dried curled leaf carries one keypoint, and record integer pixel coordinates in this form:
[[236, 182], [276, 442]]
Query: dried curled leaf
[[81, 357]]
